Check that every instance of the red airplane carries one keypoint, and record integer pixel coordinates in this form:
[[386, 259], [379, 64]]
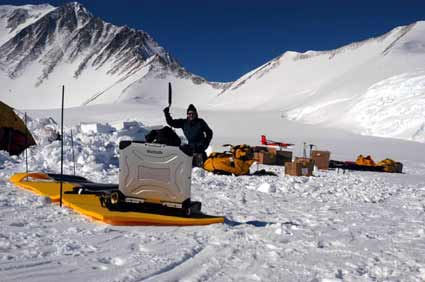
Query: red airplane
[[266, 142]]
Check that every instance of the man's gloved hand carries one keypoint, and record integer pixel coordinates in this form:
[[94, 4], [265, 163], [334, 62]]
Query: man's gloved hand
[[204, 145], [166, 110]]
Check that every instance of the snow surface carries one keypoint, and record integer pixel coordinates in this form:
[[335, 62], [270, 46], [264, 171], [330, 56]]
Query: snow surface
[[352, 226]]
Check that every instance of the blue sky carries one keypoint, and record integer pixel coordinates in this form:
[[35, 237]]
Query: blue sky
[[223, 39]]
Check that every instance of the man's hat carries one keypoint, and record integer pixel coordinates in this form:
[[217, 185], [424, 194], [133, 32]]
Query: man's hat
[[192, 108]]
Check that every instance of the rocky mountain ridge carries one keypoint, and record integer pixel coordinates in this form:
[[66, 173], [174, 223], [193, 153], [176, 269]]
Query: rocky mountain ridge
[[42, 42]]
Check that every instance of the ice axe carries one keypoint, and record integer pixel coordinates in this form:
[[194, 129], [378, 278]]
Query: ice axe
[[170, 93]]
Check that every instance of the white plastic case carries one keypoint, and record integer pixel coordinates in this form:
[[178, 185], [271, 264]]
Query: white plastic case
[[155, 173]]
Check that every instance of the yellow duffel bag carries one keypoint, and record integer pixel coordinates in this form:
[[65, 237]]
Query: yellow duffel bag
[[237, 161]]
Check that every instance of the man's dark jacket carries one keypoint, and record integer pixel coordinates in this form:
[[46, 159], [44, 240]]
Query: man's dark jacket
[[197, 132]]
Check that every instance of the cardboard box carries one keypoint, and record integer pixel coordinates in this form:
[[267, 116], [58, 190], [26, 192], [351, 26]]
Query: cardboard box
[[283, 157], [307, 166], [264, 149], [293, 168], [269, 156], [266, 158], [321, 159]]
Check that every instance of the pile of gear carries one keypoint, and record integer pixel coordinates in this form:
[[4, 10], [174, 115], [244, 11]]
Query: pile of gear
[[386, 165], [237, 161], [363, 163]]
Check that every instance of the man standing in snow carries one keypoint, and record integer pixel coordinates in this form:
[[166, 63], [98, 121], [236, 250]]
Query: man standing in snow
[[196, 130]]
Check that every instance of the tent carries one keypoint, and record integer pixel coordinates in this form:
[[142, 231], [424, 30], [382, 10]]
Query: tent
[[14, 135]]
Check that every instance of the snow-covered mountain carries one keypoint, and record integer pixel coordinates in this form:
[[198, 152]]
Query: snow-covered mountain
[[43, 47], [374, 87]]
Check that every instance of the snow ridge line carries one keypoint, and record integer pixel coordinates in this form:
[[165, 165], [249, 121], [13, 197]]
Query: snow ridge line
[[403, 33]]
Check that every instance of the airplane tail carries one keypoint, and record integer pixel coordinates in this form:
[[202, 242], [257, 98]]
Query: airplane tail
[[263, 140]]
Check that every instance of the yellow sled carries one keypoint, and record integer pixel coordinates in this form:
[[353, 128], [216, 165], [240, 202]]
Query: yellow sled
[[89, 205]]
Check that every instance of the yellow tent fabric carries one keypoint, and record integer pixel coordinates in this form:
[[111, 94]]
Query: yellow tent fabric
[[14, 135]]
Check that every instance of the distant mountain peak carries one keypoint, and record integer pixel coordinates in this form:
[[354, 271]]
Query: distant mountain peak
[[69, 33], [45, 45], [78, 9], [74, 4]]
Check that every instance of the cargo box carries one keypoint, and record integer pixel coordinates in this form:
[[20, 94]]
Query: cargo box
[[154, 172], [263, 149], [307, 166], [321, 159], [293, 168], [283, 157], [266, 158]]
